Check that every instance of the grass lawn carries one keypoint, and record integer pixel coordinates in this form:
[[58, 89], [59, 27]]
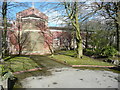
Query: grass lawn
[[20, 64], [68, 57], [115, 58]]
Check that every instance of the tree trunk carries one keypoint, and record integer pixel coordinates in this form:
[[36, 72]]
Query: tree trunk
[[20, 50], [79, 38], [117, 33], [0, 44], [79, 50], [86, 37], [86, 42], [4, 32], [79, 43]]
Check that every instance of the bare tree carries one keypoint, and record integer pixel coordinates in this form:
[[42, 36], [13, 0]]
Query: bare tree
[[6, 10], [72, 12], [110, 10], [22, 40]]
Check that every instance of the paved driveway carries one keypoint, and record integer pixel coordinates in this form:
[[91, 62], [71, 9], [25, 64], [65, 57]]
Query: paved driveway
[[67, 77]]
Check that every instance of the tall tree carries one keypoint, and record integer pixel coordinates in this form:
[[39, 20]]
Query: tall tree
[[4, 31], [72, 12]]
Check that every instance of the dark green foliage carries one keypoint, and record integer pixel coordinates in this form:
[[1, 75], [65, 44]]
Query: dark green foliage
[[108, 51], [3, 70], [89, 52], [101, 44]]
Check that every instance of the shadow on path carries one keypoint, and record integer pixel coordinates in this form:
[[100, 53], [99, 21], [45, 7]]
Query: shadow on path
[[46, 62]]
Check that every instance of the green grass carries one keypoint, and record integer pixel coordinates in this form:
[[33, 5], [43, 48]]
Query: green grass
[[23, 63], [115, 58], [20, 64], [67, 53], [68, 57], [84, 61]]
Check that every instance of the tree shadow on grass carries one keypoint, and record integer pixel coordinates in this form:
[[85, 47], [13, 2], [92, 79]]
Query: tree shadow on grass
[[8, 58], [46, 62], [36, 61], [66, 54], [44, 72]]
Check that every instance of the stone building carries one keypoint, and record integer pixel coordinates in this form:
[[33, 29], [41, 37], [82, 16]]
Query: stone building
[[30, 34]]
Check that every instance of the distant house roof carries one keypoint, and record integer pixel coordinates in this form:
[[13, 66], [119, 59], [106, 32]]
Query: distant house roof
[[31, 12]]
